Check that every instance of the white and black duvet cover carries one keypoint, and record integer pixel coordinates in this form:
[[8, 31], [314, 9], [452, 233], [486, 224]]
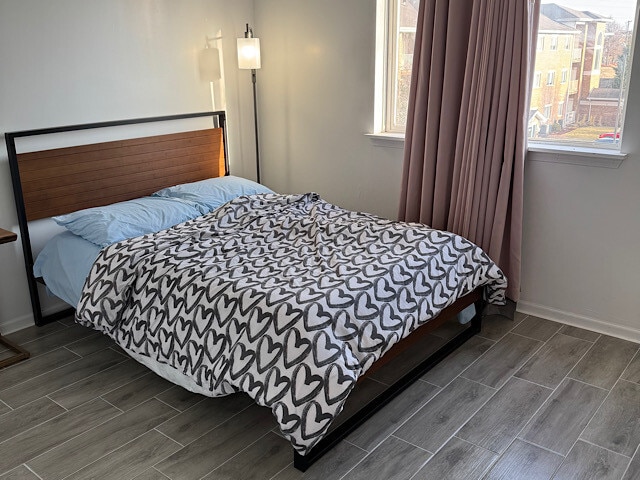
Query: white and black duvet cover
[[285, 297]]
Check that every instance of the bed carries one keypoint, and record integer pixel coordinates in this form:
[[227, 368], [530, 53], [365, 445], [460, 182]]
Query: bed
[[286, 297]]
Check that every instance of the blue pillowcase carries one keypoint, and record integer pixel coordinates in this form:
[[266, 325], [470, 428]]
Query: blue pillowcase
[[165, 208], [214, 192], [133, 218]]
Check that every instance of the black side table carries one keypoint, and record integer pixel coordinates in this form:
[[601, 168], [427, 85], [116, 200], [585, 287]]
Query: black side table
[[20, 353]]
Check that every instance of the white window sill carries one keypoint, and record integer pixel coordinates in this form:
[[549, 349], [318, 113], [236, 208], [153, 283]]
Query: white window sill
[[384, 139], [537, 152], [591, 157]]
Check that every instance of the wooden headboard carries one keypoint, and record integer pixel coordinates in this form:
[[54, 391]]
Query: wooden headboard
[[62, 180]]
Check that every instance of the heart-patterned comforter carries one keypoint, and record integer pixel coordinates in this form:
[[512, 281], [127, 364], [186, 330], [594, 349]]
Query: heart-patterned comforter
[[285, 297]]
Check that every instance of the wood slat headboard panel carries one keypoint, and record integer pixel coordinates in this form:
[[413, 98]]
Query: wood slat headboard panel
[[63, 180]]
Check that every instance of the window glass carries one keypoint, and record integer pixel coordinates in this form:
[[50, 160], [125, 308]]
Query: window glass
[[586, 42], [403, 15], [586, 107], [537, 80], [551, 77]]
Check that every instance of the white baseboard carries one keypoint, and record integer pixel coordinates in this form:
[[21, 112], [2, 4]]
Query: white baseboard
[[580, 321], [16, 324], [25, 321]]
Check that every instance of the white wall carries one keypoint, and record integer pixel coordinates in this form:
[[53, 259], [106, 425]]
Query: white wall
[[316, 103], [76, 61], [581, 259]]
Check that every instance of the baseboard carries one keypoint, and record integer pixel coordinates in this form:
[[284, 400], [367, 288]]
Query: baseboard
[[580, 321], [16, 324], [25, 321]]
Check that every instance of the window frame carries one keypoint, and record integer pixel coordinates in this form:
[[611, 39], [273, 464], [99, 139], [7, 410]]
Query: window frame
[[537, 79], [537, 150], [551, 78], [606, 155]]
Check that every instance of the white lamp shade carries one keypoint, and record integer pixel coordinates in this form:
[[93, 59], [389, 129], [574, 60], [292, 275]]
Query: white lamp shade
[[249, 53], [209, 63]]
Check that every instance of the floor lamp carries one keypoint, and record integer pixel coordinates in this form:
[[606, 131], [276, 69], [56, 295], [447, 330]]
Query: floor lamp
[[249, 59]]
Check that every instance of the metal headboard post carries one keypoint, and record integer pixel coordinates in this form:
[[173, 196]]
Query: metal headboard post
[[24, 226], [219, 121]]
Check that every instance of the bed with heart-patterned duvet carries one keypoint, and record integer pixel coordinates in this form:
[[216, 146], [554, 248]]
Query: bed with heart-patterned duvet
[[285, 297]]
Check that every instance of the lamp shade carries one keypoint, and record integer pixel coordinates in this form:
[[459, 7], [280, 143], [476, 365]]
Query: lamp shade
[[209, 63], [249, 53]]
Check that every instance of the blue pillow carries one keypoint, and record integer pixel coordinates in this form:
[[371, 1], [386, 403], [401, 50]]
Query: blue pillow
[[212, 193], [133, 218]]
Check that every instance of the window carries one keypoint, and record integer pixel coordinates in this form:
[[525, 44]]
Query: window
[[594, 66], [589, 95], [402, 17], [537, 80], [551, 77]]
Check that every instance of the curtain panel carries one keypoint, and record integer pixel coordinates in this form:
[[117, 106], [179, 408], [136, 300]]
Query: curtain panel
[[465, 138]]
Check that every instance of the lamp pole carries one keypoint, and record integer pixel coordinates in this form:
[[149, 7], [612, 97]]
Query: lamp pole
[[249, 59], [255, 109]]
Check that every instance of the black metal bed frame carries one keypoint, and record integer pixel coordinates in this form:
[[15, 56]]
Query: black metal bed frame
[[219, 121]]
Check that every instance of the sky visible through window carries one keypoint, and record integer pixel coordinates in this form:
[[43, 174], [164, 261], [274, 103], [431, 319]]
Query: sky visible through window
[[620, 10]]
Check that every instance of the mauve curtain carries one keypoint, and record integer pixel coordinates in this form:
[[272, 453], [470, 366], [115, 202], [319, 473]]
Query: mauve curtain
[[465, 139]]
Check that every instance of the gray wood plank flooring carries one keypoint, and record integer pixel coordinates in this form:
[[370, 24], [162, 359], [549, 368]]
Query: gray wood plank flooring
[[457, 459], [589, 462], [537, 328], [530, 399], [502, 360], [554, 360], [387, 420], [4, 408], [632, 373], [500, 419], [559, 422], [523, 460], [440, 418], [394, 459], [19, 473], [605, 362], [616, 425]]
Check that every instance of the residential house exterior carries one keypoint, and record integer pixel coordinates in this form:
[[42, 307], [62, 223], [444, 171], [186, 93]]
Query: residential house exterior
[[566, 90], [554, 88]]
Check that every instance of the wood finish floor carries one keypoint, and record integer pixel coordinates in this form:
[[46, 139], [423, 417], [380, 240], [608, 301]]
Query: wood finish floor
[[530, 399]]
